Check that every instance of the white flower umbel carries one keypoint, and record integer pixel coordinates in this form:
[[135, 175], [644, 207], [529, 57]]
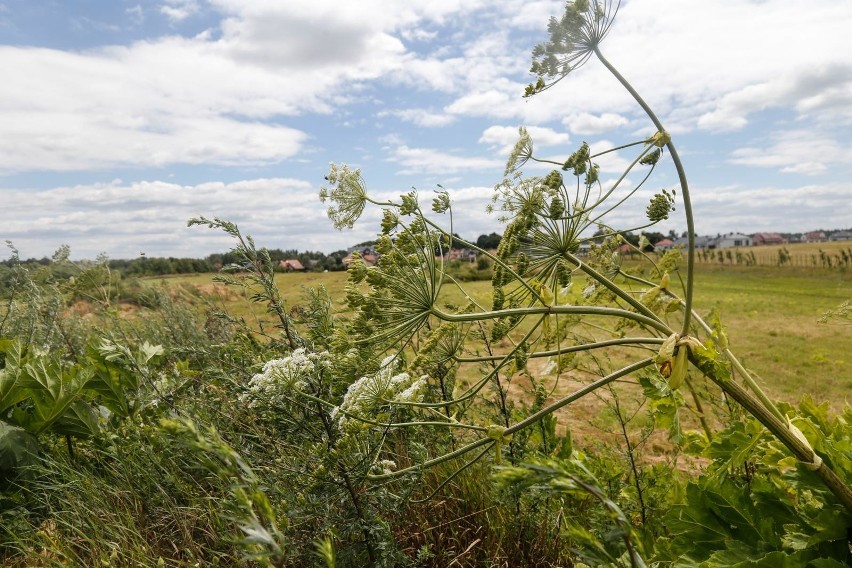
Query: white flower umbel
[[281, 377], [386, 385]]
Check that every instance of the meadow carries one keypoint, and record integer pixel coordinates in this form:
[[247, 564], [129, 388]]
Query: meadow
[[569, 411], [771, 314]]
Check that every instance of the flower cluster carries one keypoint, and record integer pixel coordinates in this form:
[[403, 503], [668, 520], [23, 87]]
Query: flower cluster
[[348, 193], [573, 39], [367, 394], [281, 377]]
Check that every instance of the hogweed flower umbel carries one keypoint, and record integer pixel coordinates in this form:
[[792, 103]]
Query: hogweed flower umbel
[[348, 193], [573, 39]]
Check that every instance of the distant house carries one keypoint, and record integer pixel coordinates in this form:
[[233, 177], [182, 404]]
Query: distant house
[[814, 237], [664, 244], [462, 254], [368, 256], [700, 243], [841, 236], [760, 239], [731, 240], [367, 253], [291, 265]]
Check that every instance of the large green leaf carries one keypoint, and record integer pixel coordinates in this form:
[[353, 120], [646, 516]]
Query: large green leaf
[[78, 420], [731, 448], [11, 391], [18, 448], [53, 390]]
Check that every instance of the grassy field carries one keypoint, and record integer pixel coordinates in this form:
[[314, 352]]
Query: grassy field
[[771, 315], [801, 255], [772, 319]]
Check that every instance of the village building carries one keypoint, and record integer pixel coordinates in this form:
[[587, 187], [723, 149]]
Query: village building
[[291, 265], [464, 254], [732, 240], [760, 239], [841, 236], [814, 237]]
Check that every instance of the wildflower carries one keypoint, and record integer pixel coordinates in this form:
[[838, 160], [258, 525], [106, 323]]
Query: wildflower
[[280, 378], [522, 151], [367, 394], [349, 193], [573, 39]]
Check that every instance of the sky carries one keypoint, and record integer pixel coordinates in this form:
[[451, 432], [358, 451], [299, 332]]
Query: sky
[[121, 119]]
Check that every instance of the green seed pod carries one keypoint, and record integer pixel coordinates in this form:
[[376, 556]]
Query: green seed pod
[[499, 298], [563, 275], [678, 368], [651, 158], [556, 208], [523, 264]]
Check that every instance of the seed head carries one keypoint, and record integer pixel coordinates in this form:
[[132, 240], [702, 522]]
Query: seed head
[[573, 39]]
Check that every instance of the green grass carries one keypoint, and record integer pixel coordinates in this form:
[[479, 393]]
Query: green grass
[[771, 316], [772, 321]]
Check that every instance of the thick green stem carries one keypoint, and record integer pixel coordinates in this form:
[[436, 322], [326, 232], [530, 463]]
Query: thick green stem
[[684, 187], [572, 349], [654, 323], [779, 428]]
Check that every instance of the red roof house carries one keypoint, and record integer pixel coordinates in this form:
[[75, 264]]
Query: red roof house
[[768, 239]]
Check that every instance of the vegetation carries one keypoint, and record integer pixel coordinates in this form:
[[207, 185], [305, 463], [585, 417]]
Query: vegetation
[[428, 421]]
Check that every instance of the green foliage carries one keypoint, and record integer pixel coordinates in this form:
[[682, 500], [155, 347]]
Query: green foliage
[[755, 506], [39, 393], [618, 545], [361, 435], [18, 452]]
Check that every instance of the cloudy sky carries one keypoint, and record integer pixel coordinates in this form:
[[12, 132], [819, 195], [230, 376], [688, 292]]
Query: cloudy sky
[[121, 119]]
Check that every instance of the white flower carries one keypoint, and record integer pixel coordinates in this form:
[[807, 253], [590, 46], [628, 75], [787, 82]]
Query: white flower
[[377, 389], [281, 377]]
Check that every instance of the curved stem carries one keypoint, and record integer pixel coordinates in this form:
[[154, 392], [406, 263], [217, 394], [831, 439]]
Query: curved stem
[[574, 348], [578, 394], [654, 322], [778, 427], [684, 188]]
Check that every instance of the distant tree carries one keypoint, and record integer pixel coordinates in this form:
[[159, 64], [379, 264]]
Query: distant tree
[[631, 238], [456, 243], [488, 242]]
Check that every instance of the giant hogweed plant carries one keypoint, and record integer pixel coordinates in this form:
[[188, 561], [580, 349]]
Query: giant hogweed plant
[[399, 313]]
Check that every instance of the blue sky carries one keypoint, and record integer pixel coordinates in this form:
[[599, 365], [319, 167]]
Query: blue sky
[[121, 119]]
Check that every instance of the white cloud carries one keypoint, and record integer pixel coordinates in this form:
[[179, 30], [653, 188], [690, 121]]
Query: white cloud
[[589, 124], [503, 138], [431, 161], [179, 10], [123, 219], [721, 209], [421, 117], [798, 151]]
